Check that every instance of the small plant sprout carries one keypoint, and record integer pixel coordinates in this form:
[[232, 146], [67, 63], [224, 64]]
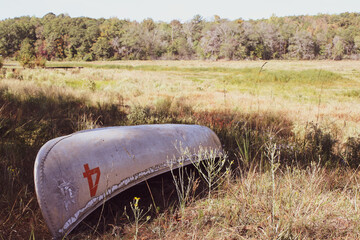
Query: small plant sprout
[[139, 215]]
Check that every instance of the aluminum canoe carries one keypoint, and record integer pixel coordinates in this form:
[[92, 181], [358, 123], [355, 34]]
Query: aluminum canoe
[[75, 174]]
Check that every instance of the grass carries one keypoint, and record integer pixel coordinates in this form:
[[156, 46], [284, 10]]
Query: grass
[[307, 207], [302, 183], [296, 87]]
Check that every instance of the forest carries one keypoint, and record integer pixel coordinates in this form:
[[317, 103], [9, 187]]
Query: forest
[[61, 37]]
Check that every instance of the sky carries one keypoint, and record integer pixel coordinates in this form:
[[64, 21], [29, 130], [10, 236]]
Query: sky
[[183, 10]]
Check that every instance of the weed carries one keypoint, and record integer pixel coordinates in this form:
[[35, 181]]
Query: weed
[[249, 147], [273, 155], [138, 214], [210, 164], [183, 179], [91, 85]]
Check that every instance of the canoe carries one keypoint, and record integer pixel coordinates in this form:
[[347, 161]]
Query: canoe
[[75, 174]]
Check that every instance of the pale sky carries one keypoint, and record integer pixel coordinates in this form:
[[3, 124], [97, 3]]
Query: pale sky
[[167, 10]]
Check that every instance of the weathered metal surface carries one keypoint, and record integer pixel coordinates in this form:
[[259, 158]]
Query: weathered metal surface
[[75, 174]]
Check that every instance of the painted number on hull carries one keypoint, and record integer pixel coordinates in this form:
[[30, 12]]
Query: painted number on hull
[[87, 174]]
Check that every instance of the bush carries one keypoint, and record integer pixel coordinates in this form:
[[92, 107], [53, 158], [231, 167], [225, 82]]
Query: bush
[[26, 60], [1, 62], [40, 62], [162, 106], [320, 145], [352, 152], [138, 115], [88, 58]]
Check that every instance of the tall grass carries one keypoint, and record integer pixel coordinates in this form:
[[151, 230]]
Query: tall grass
[[30, 116], [310, 190], [307, 207]]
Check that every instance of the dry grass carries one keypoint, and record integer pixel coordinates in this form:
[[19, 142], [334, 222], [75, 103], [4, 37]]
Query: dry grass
[[311, 202], [222, 85]]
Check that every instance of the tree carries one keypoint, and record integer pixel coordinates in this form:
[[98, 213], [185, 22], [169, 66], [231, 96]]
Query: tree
[[193, 31], [142, 41], [113, 29], [26, 55], [102, 48], [299, 37], [13, 32], [302, 45], [251, 38], [357, 44], [338, 49], [270, 39], [222, 40]]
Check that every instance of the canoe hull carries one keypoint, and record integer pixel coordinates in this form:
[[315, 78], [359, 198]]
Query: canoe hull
[[75, 174]]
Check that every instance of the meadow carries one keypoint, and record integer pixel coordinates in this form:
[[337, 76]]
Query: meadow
[[291, 128]]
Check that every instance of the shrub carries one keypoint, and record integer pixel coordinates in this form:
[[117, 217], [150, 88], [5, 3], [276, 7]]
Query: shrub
[[163, 105], [352, 152], [138, 115], [88, 58], [40, 62], [320, 144], [27, 61]]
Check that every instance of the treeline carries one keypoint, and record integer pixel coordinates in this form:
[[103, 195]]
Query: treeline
[[296, 37]]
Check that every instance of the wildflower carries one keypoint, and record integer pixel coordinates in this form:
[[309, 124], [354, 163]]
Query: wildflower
[[136, 202]]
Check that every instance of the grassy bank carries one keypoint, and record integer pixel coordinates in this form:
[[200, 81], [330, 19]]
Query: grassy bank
[[307, 111]]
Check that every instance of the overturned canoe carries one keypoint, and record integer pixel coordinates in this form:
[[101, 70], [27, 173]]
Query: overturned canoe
[[75, 174]]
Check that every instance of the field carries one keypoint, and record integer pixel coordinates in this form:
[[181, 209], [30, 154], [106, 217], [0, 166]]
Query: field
[[291, 128]]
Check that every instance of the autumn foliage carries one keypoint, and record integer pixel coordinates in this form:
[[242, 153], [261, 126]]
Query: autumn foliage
[[297, 37]]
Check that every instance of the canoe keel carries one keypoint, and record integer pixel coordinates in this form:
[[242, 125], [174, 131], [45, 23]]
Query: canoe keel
[[75, 174]]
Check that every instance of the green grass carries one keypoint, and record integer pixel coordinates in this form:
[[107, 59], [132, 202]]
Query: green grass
[[249, 74], [311, 77], [75, 83], [282, 83], [153, 68], [352, 93]]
